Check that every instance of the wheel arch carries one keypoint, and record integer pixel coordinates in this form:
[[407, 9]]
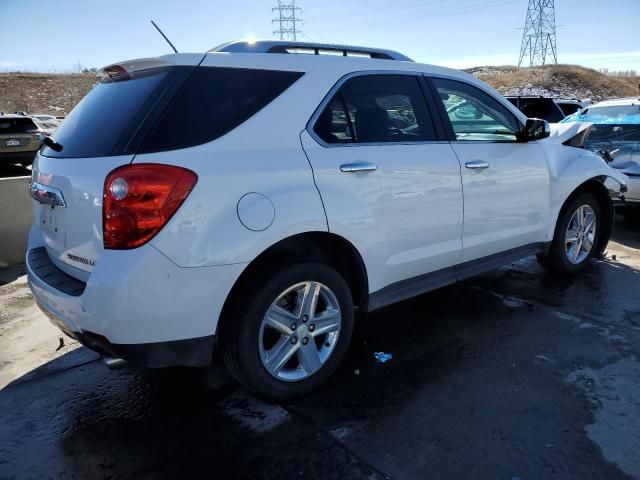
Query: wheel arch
[[323, 247], [596, 187]]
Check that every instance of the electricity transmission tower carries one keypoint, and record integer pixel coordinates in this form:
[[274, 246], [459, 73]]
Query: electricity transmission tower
[[287, 20], [539, 36]]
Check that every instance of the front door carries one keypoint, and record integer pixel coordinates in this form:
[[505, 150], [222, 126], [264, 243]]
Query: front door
[[506, 183]]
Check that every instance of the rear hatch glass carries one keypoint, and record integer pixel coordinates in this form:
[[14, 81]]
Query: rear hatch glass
[[108, 120], [12, 126]]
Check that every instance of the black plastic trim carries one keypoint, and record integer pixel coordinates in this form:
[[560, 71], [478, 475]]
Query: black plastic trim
[[191, 352], [42, 266], [412, 287]]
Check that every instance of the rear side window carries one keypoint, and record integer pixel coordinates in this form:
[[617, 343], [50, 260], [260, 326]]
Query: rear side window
[[214, 101], [10, 126], [376, 109]]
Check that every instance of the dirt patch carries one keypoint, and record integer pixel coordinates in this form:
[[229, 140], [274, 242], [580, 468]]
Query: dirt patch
[[53, 94], [567, 81]]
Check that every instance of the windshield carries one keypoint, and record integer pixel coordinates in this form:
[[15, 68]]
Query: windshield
[[613, 114]]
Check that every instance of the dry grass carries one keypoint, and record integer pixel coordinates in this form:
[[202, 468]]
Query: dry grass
[[55, 94], [558, 80]]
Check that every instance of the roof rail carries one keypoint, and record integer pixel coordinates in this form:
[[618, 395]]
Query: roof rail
[[281, 46]]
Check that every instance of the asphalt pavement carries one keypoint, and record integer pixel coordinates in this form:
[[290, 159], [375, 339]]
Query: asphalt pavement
[[517, 374]]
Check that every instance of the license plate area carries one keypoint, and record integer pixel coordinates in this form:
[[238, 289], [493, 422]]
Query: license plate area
[[12, 142], [50, 223]]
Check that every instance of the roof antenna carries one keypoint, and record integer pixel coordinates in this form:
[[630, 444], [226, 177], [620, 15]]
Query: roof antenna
[[164, 36]]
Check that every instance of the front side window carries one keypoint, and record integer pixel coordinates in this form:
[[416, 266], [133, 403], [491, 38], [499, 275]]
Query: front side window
[[376, 109], [474, 114]]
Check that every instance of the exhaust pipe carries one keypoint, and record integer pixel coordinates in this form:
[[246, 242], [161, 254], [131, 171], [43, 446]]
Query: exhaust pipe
[[113, 363]]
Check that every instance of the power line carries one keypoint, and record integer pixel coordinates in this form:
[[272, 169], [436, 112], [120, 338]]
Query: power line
[[395, 21], [287, 20], [539, 35]]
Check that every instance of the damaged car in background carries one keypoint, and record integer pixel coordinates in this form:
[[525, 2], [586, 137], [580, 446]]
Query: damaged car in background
[[615, 135]]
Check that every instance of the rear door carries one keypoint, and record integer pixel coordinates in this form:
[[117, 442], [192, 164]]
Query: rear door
[[506, 182], [388, 184]]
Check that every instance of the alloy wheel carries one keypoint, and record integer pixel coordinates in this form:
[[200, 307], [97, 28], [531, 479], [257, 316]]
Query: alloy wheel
[[581, 234], [300, 331]]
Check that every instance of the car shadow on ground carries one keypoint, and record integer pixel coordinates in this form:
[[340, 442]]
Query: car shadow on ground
[[7, 171], [476, 383], [11, 273]]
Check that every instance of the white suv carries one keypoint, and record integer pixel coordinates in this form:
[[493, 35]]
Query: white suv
[[249, 202]]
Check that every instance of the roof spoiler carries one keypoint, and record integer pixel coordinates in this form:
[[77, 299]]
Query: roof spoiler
[[281, 46], [123, 69]]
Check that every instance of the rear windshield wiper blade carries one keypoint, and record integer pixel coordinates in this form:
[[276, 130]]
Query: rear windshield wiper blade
[[52, 144]]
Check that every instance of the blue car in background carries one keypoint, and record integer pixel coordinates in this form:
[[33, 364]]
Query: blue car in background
[[616, 129]]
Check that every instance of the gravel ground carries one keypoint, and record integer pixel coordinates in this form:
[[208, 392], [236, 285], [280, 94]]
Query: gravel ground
[[513, 375]]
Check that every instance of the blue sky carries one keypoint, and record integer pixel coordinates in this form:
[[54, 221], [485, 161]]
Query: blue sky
[[55, 35]]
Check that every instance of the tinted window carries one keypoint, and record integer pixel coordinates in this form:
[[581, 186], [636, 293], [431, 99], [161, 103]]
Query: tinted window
[[514, 101], [333, 124], [541, 108], [16, 125], [214, 101], [103, 122], [376, 108], [474, 114], [569, 108]]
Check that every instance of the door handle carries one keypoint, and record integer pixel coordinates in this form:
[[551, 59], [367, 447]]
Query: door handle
[[477, 165], [358, 167]]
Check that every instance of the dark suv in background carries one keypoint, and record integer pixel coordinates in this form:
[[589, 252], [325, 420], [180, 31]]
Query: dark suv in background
[[19, 139]]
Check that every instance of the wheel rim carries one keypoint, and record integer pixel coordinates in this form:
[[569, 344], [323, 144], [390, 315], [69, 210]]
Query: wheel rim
[[300, 331], [580, 235]]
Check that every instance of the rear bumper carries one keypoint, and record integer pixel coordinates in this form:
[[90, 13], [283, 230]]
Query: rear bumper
[[191, 352], [136, 305]]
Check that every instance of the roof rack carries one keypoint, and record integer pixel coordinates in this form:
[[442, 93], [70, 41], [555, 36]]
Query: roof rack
[[281, 46]]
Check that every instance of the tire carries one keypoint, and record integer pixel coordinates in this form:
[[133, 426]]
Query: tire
[[255, 352], [572, 257]]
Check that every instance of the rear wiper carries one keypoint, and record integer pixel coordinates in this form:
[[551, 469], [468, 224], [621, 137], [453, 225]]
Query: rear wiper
[[52, 144]]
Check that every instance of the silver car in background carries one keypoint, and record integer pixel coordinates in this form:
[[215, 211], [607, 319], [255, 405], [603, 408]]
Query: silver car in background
[[616, 129]]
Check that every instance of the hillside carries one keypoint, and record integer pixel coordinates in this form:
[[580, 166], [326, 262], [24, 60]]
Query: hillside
[[568, 81], [54, 94], [57, 94]]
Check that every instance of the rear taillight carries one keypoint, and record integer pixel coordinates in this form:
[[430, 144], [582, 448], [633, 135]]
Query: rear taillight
[[139, 199]]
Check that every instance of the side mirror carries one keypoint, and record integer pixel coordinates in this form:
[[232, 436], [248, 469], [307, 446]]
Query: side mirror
[[535, 129]]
